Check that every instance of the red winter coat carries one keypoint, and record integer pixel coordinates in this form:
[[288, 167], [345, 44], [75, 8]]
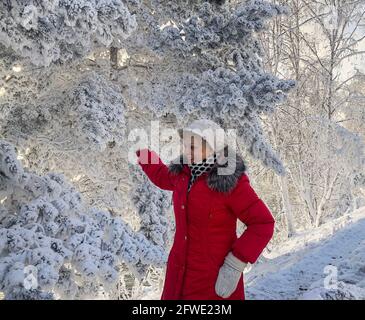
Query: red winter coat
[[206, 220]]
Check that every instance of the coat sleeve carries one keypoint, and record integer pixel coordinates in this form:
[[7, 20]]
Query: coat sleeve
[[155, 169], [253, 212]]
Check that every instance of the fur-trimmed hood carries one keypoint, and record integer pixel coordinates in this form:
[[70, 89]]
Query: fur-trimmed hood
[[225, 173]]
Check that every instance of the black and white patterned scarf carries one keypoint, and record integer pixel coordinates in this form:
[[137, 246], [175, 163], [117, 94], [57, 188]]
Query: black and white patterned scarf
[[200, 167]]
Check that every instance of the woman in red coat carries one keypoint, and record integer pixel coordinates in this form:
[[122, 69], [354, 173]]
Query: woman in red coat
[[207, 258]]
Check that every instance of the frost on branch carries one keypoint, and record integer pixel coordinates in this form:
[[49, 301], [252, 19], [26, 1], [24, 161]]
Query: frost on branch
[[100, 108], [152, 205], [89, 112], [62, 30], [231, 94], [210, 28], [52, 245]]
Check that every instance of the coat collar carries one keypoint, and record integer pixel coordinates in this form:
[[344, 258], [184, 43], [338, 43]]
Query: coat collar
[[231, 167]]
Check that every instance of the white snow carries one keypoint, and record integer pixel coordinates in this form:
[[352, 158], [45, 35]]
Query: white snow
[[325, 263]]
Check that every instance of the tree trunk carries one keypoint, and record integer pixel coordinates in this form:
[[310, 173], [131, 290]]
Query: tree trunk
[[114, 57], [286, 205]]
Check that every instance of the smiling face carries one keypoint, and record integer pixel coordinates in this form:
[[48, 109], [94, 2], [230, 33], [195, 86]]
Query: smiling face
[[195, 148]]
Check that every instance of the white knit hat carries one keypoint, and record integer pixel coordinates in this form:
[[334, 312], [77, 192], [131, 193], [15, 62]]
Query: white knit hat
[[210, 131]]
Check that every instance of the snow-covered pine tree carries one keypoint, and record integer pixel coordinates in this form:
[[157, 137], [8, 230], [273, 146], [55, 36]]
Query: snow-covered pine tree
[[63, 30], [152, 206], [156, 223], [180, 60], [53, 106], [53, 245]]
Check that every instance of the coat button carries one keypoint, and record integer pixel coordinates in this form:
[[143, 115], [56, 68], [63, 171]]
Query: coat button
[[182, 207], [186, 237]]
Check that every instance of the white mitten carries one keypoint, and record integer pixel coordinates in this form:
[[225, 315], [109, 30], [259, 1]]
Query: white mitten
[[229, 275]]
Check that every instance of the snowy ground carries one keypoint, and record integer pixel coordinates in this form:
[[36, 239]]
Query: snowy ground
[[326, 263]]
